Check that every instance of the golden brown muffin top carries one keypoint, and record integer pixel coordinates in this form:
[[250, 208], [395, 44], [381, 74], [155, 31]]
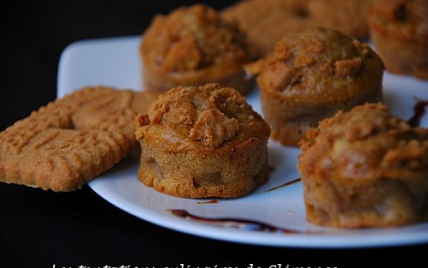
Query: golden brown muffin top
[[321, 63], [368, 142], [193, 38], [406, 18], [208, 116]]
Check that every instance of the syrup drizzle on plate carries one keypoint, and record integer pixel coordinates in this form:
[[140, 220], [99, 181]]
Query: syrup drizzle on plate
[[288, 183], [419, 112], [242, 224]]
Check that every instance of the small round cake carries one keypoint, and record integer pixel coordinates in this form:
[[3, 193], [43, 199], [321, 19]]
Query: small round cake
[[365, 168], [193, 46], [310, 76], [203, 141], [399, 30]]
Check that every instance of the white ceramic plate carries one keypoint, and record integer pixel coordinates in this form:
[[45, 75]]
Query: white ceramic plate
[[115, 62]]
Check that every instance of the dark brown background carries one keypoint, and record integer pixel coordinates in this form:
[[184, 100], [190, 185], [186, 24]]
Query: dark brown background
[[39, 229]]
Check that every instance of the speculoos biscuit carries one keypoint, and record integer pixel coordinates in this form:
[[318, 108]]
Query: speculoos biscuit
[[70, 141]]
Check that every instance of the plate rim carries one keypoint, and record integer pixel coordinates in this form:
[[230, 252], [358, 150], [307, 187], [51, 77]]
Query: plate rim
[[334, 241]]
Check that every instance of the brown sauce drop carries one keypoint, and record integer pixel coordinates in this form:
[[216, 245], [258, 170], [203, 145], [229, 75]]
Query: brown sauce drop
[[238, 223], [214, 201], [419, 112]]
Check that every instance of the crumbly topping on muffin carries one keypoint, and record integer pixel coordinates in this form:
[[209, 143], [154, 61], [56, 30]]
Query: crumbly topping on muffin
[[368, 142], [319, 59], [195, 37], [207, 116]]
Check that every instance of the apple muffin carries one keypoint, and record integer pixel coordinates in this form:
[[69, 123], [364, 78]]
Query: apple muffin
[[193, 46], [202, 141], [365, 168], [399, 30], [310, 76]]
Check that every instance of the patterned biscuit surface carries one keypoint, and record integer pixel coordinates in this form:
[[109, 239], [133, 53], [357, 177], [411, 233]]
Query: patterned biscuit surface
[[72, 140]]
